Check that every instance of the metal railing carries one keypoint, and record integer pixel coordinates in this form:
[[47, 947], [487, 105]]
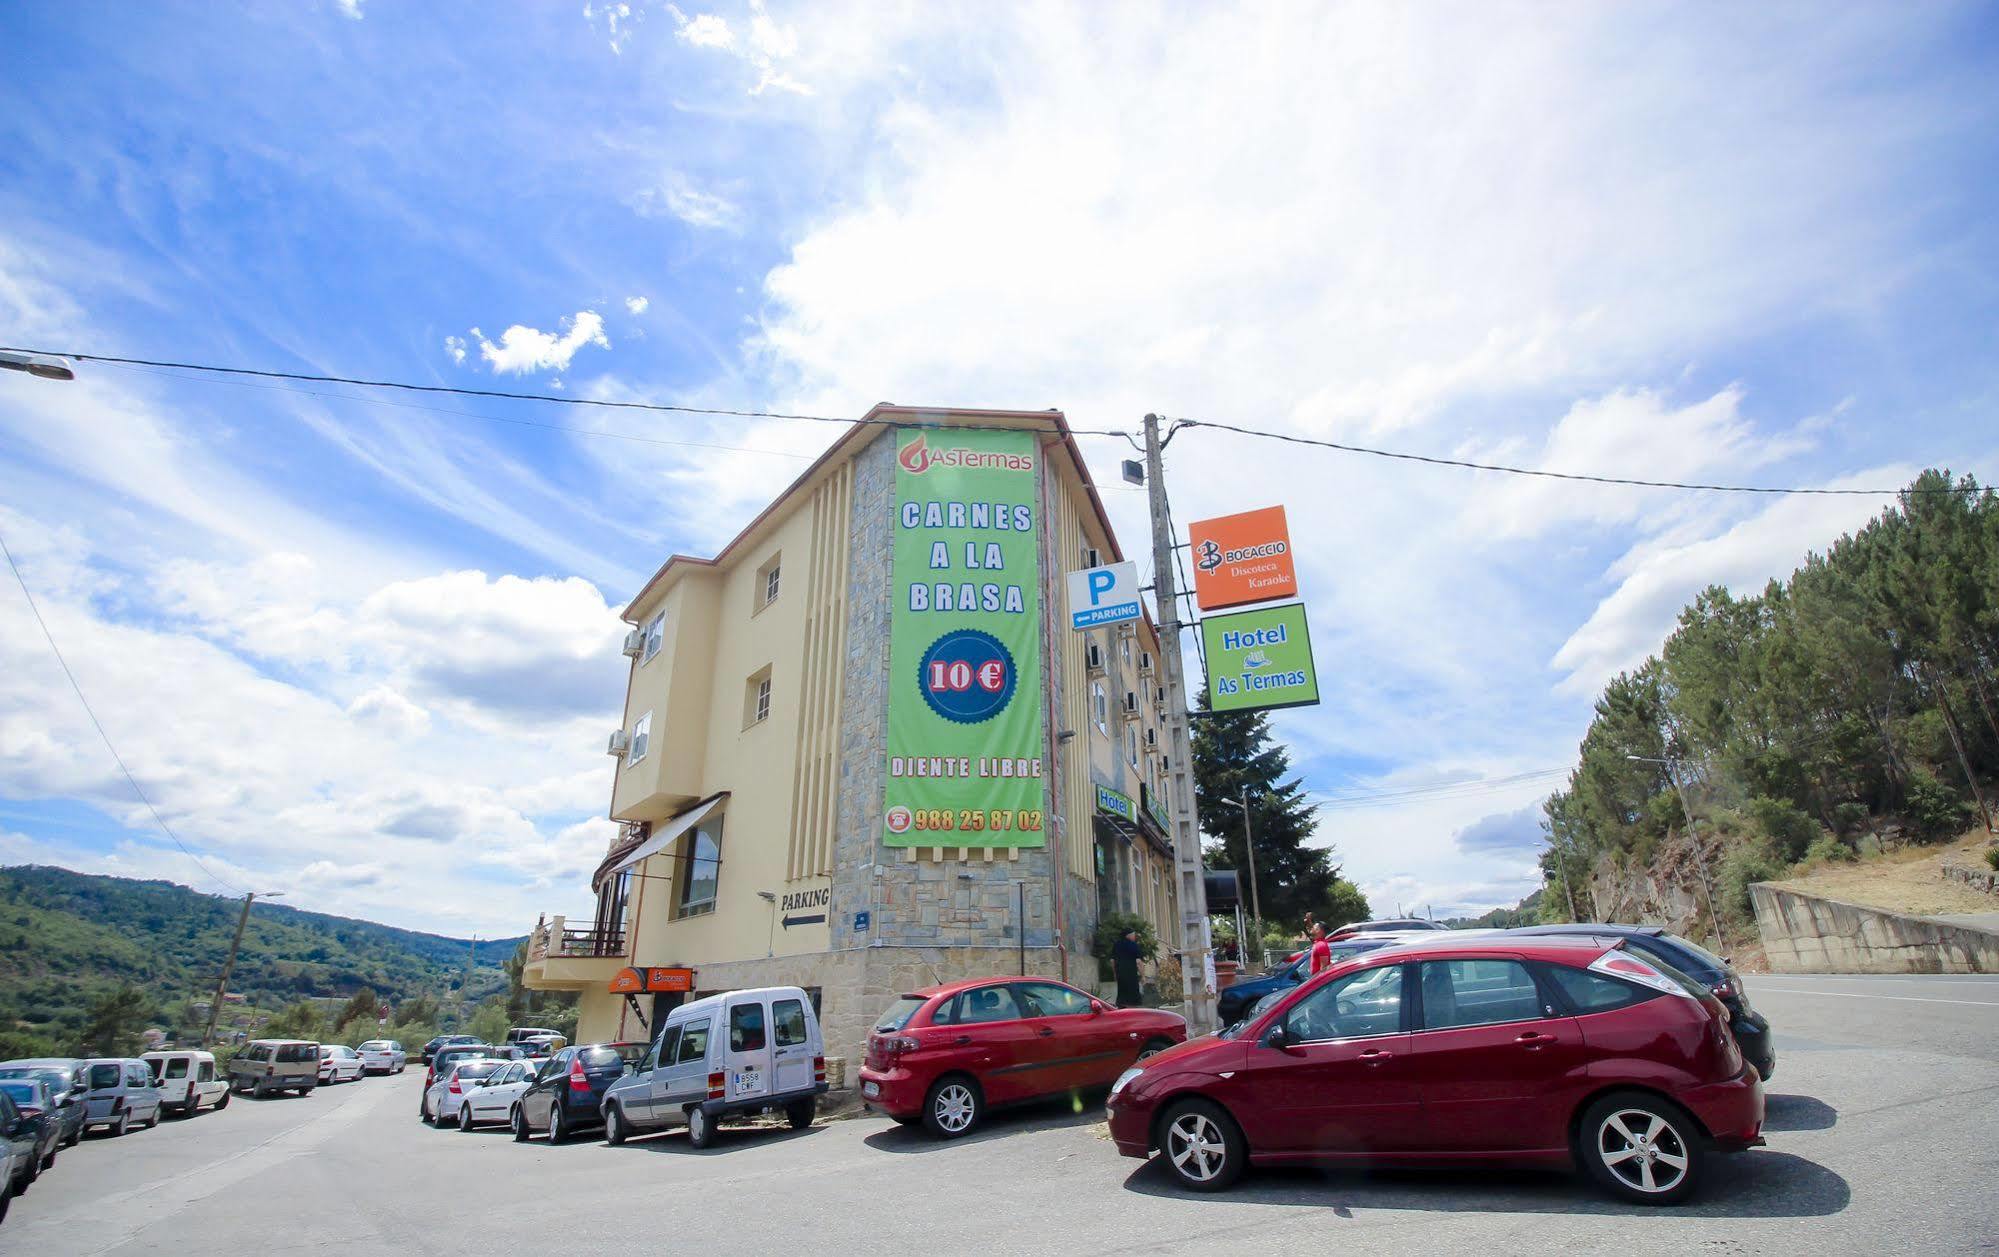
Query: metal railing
[[551, 938]]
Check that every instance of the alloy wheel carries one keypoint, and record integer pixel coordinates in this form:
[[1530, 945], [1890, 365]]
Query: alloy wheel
[[954, 1107], [1196, 1146], [1643, 1150]]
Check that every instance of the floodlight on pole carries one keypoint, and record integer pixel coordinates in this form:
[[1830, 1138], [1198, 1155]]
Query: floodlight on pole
[[41, 366]]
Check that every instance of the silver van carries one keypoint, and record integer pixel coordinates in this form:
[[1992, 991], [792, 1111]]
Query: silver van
[[265, 1065], [740, 1052], [121, 1093]]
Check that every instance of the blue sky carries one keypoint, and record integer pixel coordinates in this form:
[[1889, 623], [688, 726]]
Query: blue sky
[[367, 652]]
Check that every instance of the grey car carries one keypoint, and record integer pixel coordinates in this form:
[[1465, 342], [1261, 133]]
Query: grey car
[[121, 1093], [68, 1081]]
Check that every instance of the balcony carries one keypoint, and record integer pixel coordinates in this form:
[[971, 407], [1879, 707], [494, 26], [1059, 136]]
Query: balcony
[[562, 959]]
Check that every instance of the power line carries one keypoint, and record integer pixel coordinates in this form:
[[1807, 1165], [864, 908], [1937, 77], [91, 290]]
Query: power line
[[1545, 473], [503, 394], [129, 778]]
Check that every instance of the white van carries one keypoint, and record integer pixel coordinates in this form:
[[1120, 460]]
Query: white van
[[186, 1081], [736, 1053]]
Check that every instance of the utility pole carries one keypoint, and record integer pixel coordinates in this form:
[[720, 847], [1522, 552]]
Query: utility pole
[[1249, 854], [1195, 957], [222, 983]]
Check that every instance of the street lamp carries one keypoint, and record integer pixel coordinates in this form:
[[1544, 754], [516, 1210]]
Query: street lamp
[[770, 935], [41, 366], [1249, 852], [1700, 857], [222, 983]]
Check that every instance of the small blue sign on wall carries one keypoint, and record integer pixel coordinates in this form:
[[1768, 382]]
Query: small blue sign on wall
[[861, 920]]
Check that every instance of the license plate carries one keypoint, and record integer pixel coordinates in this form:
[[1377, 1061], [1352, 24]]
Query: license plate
[[749, 1080], [872, 1090]]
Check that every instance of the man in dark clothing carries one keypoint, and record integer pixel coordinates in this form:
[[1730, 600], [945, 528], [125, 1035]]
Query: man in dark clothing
[[1125, 955]]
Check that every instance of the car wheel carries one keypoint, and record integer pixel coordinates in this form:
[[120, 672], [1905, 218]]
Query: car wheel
[[700, 1128], [423, 1109], [222, 1101], [6, 1201], [1202, 1146], [1641, 1148], [558, 1129], [615, 1130], [1152, 1048], [154, 1120], [124, 1122], [519, 1121], [954, 1106], [465, 1117], [49, 1161], [74, 1137], [801, 1112]]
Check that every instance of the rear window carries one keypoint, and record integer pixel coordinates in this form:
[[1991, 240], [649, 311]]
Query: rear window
[[1696, 954], [293, 1053], [478, 1069], [746, 1028], [788, 1022], [20, 1091], [1593, 993], [612, 1054], [103, 1077], [898, 1014]]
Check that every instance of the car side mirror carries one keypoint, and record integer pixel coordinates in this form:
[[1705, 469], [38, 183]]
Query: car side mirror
[[1097, 1006], [1276, 1038]]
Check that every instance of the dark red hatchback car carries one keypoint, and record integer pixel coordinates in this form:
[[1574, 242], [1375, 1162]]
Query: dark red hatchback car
[[943, 1055], [1560, 1052]]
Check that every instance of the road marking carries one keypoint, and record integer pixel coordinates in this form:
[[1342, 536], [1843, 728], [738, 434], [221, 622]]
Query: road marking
[[1906, 999]]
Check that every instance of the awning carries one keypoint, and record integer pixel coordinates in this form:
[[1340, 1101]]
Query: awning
[[666, 834]]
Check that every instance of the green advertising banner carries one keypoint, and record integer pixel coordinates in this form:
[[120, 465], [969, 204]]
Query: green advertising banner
[[966, 709], [1259, 659]]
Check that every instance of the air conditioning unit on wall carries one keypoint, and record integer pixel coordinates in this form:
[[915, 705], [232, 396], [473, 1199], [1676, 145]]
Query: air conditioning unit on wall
[[1093, 657], [635, 643], [618, 744]]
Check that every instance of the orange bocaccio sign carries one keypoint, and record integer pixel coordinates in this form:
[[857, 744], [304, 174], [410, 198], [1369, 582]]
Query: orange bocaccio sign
[[1242, 558]]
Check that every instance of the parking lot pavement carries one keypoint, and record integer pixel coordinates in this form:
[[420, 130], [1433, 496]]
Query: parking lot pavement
[[1880, 1132]]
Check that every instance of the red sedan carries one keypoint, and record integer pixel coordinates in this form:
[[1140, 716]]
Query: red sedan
[[1555, 1051], [944, 1054]]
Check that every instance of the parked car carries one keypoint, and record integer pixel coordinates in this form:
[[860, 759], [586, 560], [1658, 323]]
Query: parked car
[[32, 1100], [726, 1055], [1561, 1052], [1752, 1030], [492, 1098], [521, 1034], [441, 1063], [567, 1093], [1234, 1001], [339, 1063], [445, 1040], [275, 1065], [68, 1081], [943, 1055], [441, 1100], [20, 1135], [541, 1047], [121, 1092], [186, 1081], [1387, 925], [383, 1056]]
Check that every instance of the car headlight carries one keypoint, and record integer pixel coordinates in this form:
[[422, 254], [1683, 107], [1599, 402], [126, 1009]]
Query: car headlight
[[1123, 1079]]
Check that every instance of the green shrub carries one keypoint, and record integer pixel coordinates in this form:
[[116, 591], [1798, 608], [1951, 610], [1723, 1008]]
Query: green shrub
[[1992, 858], [1934, 811], [1829, 850], [1112, 926], [1750, 862], [1784, 824]]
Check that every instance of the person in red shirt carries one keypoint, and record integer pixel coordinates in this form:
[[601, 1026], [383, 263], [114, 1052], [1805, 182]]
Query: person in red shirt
[[1321, 957]]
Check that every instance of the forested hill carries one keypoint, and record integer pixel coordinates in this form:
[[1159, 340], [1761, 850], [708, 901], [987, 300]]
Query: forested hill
[[68, 937], [1849, 706]]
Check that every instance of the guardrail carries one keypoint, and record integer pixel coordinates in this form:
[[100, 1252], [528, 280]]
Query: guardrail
[[551, 938]]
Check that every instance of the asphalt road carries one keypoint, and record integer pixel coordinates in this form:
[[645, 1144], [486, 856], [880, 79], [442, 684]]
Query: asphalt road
[[1881, 1132]]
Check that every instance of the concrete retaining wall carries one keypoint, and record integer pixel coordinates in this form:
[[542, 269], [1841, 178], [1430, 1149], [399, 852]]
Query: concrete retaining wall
[[1807, 934]]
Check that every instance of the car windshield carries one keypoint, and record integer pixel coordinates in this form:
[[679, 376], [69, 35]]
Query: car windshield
[[898, 1014]]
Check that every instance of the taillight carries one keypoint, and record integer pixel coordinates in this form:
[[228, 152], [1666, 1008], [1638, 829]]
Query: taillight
[[1724, 990], [454, 1089], [896, 1044], [715, 1086], [578, 1081], [819, 1069]]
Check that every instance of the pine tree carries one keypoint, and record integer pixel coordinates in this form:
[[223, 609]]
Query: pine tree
[[1234, 753], [116, 1021]]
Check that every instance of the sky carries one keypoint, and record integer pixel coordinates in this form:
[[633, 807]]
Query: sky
[[363, 648]]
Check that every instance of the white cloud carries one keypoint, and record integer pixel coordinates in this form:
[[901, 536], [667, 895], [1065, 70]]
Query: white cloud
[[522, 349], [455, 346], [386, 706], [677, 196], [349, 8], [769, 49], [637, 305], [703, 30]]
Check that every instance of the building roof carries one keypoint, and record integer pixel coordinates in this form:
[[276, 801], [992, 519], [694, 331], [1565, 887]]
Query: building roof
[[889, 415]]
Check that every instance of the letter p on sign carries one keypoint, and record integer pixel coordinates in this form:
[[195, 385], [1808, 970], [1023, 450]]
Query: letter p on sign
[[1101, 583]]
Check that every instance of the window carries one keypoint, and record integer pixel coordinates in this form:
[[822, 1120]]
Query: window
[[604, 1055], [1131, 744], [756, 698], [177, 1067], [1124, 650], [746, 1028], [663, 1049], [1478, 993], [700, 871], [611, 899], [1354, 1007], [986, 1003], [295, 1052], [693, 1044], [641, 734], [1045, 999], [205, 1072], [655, 636], [767, 583], [787, 1019], [1100, 706], [898, 1014]]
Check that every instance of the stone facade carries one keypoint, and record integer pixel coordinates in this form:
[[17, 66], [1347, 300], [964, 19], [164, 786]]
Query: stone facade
[[1807, 934], [1986, 880]]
